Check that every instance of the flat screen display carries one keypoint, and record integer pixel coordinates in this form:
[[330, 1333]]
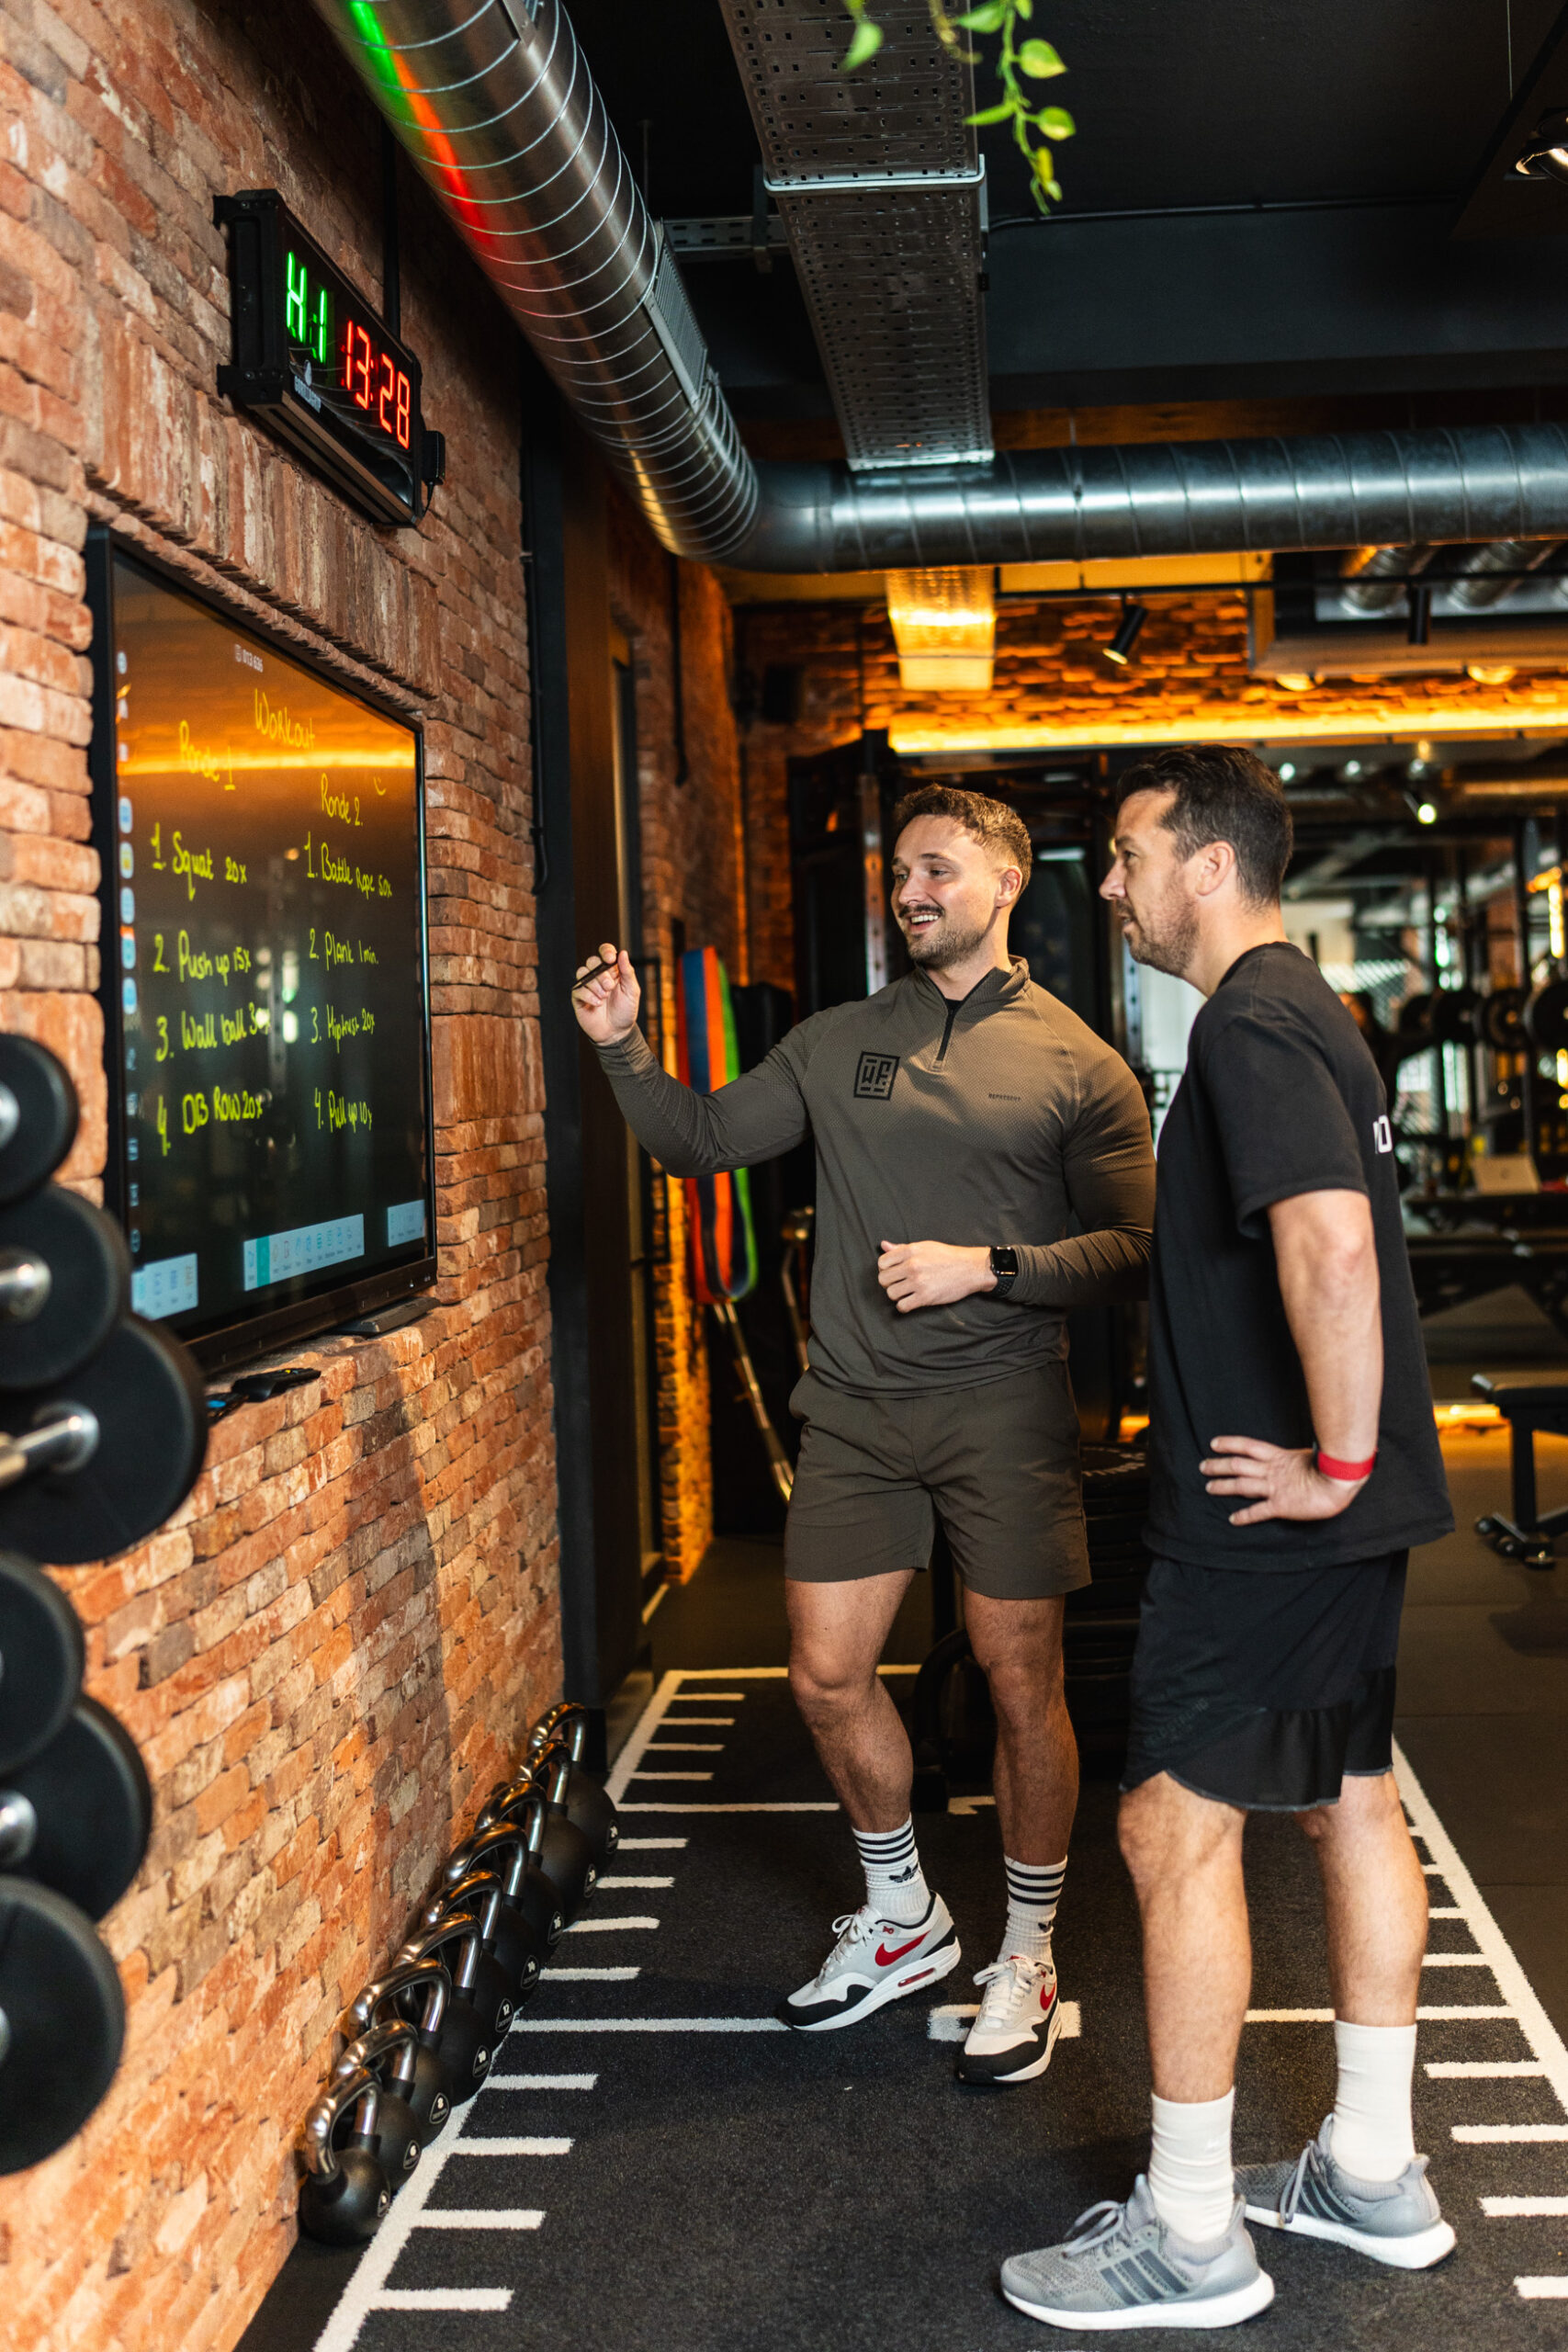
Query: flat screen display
[[265, 984]]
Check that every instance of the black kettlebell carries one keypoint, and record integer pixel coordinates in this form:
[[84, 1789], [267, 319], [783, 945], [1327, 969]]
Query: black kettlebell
[[523, 1883], [504, 1937], [420, 2076], [345, 2194], [468, 2043], [588, 1807], [562, 1852], [381, 2051]]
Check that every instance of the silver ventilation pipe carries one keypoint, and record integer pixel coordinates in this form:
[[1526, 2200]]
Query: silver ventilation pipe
[[494, 101], [1492, 573]]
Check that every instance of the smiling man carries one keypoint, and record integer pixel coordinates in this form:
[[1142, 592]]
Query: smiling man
[[964, 1119], [1293, 1461]]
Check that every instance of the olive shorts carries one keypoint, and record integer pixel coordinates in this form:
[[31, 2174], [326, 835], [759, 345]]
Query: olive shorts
[[999, 1465]]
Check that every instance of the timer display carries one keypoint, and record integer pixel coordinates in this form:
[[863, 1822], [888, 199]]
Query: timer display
[[311, 356]]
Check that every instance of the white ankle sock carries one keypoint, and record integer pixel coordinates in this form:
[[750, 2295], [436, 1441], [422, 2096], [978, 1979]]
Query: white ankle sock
[[895, 1883], [1373, 2136], [1034, 1889], [1190, 2176]]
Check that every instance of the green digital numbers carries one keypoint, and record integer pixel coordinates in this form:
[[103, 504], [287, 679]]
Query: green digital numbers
[[308, 322]]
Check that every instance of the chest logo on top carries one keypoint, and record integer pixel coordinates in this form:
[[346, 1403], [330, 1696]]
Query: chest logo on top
[[1383, 1135], [875, 1076]]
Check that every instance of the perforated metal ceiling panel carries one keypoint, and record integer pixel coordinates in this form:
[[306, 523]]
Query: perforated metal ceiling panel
[[877, 180]]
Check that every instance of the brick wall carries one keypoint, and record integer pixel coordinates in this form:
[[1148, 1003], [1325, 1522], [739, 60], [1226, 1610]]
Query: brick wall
[[333, 1649]]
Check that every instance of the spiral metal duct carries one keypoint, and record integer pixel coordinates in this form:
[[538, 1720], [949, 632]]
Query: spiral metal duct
[[496, 105]]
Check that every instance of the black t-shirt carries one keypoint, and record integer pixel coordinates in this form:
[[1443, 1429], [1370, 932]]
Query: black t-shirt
[[1280, 1097]]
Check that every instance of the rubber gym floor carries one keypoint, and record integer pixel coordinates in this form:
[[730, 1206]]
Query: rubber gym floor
[[654, 2165]]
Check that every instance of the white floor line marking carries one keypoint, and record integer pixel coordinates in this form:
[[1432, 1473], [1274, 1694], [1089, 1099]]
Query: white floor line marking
[[699, 1723], [617, 1884], [1456, 1959], [685, 1747], [1541, 2037], [1447, 2012], [480, 2217], [436, 2299], [670, 1776], [1431, 2013], [680, 1805], [642, 1731], [646, 2025], [649, 1846], [1434, 1870], [493, 2144], [1544, 2290], [1474, 2134], [1477, 2070], [553, 1975], [540, 2082], [1445, 1911], [951, 2023], [603, 1927], [965, 1807], [1524, 2209]]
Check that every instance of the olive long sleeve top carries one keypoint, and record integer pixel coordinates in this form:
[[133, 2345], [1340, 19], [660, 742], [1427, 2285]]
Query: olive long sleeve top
[[999, 1119]]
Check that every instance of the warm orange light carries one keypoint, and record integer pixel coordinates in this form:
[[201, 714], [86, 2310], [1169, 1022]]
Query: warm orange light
[[944, 625], [1367, 721]]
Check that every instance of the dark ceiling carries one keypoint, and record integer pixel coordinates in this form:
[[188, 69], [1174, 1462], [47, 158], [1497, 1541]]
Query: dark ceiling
[[1372, 117]]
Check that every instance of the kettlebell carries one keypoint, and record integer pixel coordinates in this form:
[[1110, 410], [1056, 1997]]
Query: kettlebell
[[523, 1883], [588, 1807], [506, 1946], [345, 2195], [420, 2078], [562, 1852], [468, 2042], [380, 2051]]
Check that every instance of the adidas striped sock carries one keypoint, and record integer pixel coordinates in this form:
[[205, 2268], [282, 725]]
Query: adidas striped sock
[[1034, 1889], [895, 1883]]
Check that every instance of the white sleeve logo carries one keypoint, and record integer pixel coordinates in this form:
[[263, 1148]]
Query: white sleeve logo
[[1383, 1135]]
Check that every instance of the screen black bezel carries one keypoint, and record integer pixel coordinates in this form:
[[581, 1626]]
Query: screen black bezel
[[242, 1339]]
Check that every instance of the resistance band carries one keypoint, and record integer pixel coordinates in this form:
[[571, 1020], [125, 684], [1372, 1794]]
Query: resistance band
[[724, 1246]]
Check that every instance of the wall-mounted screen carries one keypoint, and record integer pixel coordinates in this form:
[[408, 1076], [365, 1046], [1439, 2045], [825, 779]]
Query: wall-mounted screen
[[264, 974]]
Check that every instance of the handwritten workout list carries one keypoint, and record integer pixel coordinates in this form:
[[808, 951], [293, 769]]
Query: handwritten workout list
[[268, 968]]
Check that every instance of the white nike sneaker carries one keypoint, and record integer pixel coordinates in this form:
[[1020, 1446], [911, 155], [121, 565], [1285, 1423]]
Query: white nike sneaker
[[1014, 2036], [875, 1961]]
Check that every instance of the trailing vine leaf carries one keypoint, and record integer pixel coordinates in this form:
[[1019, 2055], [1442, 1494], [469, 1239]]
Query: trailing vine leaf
[[865, 40], [1034, 126]]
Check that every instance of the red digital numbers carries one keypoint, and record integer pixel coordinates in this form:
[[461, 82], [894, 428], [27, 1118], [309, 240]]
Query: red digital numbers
[[376, 385]]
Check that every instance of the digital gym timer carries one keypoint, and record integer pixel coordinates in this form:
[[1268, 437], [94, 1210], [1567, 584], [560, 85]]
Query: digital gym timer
[[311, 357]]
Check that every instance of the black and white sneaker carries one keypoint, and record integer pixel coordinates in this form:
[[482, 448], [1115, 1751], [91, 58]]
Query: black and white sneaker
[[1015, 2031], [875, 1961]]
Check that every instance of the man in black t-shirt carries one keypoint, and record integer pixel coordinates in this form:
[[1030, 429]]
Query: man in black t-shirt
[[1293, 1461]]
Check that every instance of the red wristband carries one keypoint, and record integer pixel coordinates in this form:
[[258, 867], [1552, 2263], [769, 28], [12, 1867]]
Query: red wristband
[[1348, 1471]]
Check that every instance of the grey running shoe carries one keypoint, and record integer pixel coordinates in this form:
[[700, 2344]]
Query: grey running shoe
[[1398, 2222], [1123, 2268]]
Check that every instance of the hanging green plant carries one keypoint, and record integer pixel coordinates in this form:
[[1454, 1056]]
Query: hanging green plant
[[1037, 129]]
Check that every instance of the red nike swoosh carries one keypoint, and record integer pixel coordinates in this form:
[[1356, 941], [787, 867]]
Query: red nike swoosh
[[1047, 1998], [884, 1959]]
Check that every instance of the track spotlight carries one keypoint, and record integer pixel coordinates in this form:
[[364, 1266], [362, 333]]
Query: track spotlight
[[1120, 648], [1545, 157]]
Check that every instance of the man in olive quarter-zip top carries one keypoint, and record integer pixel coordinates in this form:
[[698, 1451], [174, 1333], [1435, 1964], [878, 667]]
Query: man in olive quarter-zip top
[[962, 1119]]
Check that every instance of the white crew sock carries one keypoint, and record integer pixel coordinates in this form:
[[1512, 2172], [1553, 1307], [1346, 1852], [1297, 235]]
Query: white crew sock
[[1372, 2135], [1190, 2176], [895, 1883], [1034, 1890]]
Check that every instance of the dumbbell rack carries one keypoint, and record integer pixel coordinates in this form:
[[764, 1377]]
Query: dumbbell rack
[[104, 1435]]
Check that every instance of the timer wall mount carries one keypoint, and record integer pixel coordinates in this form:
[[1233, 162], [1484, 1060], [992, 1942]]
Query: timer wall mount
[[313, 360]]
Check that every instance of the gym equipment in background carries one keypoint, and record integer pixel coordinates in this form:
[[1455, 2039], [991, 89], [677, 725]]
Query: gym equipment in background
[[346, 2190], [104, 1432], [1527, 1401]]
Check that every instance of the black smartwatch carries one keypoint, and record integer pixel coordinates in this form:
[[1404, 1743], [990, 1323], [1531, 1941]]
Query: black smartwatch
[[1004, 1265]]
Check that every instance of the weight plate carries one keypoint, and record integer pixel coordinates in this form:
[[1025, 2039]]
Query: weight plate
[[92, 1807], [1414, 1022], [64, 2022], [1503, 1019], [40, 1659], [1453, 1014], [89, 1270], [145, 1392], [1546, 1016], [45, 1115]]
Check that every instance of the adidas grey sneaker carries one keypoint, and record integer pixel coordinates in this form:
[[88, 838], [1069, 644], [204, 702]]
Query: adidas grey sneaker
[[1398, 2222], [1123, 2268]]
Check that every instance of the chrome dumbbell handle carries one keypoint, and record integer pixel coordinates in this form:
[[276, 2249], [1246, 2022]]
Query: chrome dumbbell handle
[[25, 1285], [65, 1438]]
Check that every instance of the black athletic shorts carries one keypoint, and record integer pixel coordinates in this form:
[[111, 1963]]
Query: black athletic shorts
[[1265, 1688]]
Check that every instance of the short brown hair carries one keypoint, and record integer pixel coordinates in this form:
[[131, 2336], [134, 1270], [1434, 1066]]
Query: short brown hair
[[1223, 793], [996, 827]]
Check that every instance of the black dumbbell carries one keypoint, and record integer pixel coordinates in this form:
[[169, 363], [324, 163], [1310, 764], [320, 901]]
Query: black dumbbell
[[503, 1933], [77, 1815], [62, 2022], [524, 1884], [94, 1464], [65, 1282], [561, 1851], [422, 2080], [388, 2050], [467, 2038], [42, 1659], [346, 2193], [38, 1116], [588, 1807]]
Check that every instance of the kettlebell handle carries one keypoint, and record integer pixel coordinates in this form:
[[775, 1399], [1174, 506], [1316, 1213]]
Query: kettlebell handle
[[567, 1720], [475, 1882], [456, 1926], [497, 1840], [429, 1974], [392, 2034], [359, 2090], [520, 1803], [552, 1771]]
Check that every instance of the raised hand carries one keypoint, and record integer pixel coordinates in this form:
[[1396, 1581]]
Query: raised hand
[[606, 1001]]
